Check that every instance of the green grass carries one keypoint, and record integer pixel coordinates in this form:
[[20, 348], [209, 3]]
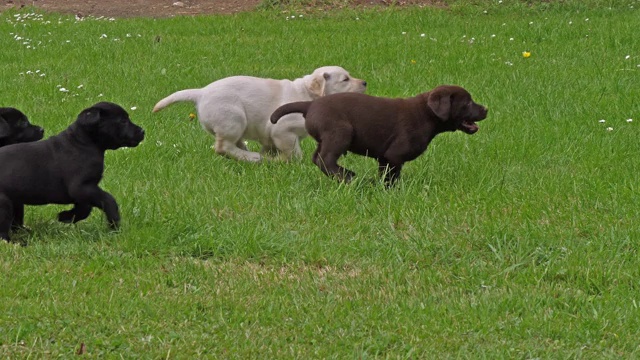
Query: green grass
[[517, 242]]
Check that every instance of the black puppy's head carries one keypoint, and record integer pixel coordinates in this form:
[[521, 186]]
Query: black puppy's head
[[16, 128], [108, 125], [454, 106]]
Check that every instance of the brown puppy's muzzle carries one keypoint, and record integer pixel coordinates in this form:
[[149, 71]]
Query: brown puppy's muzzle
[[469, 126]]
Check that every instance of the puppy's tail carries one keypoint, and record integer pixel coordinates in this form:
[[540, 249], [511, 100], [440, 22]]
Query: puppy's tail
[[294, 107], [183, 95]]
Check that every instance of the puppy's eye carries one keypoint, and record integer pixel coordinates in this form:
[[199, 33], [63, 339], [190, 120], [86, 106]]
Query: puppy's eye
[[346, 79]]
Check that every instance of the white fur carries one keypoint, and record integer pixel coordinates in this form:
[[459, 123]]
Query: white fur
[[238, 108]]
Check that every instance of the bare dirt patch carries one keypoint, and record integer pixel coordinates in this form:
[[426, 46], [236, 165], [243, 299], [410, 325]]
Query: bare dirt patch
[[166, 8]]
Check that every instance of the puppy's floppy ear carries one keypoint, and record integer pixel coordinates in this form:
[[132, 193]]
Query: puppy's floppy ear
[[5, 130], [439, 102], [317, 84], [89, 117]]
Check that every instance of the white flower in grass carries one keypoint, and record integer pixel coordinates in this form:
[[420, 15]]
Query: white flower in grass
[[134, 108], [423, 35], [63, 90], [602, 121], [493, 35], [609, 128], [629, 120], [80, 86], [570, 22], [404, 33], [511, 39], [627, 57], [103, 36], [100, 95]]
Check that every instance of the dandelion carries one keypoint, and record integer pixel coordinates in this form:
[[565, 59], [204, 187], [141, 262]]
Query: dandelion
[[526, 54], [192, 116], [413, 61]]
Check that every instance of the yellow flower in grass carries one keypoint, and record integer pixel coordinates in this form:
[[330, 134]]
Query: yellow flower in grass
[[192, 116], [526, 54], [413, 61]]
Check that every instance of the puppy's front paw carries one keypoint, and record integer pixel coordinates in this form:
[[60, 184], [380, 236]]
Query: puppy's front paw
[[114, 224], [66, 216]]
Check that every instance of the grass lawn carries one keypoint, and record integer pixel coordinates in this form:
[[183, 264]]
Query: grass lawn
[[520, 241]]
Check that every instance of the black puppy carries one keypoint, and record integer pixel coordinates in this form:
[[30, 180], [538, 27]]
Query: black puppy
[[66, 168], [393, 131], [15, 127]]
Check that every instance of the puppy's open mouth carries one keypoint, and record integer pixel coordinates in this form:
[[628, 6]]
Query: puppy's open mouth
[[469, 127]]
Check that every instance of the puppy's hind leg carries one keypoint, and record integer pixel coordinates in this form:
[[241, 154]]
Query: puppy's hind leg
[[75, 214], [229, 135], [231, 149], [326, 158]]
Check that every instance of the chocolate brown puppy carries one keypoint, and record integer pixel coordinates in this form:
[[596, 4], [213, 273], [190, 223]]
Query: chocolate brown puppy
[[16, 128], [392, 131], [65, 168]]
